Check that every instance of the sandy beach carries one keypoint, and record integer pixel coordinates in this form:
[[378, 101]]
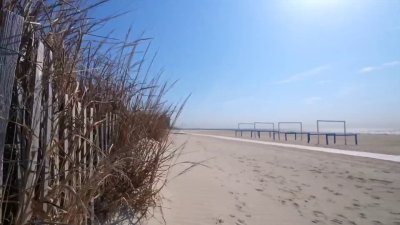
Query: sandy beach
[[245, 183]]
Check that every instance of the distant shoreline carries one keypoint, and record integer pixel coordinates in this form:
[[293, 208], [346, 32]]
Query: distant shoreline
[[355, 130]]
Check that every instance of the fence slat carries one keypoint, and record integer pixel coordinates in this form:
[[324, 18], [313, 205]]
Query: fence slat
[[55, 145], [35, 127], [84, 150], [91, 142], [78, 150], [91, 159], [10, 39], [48, 141], [72, 150], [106, 123], [66, 165]]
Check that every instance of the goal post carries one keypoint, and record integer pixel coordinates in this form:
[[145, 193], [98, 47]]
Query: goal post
[[265, 123], [241, 124], [300, 126], [333, 121]]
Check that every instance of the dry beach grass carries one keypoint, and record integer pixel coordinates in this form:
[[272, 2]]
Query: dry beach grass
[[86, 71]]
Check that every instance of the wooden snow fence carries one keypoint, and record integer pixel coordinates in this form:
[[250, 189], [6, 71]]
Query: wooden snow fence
[[50, 141]]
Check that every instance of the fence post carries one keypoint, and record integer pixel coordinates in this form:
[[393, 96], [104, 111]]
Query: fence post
[[10, 38]]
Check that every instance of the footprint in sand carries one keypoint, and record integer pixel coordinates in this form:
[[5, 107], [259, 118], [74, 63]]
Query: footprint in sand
[[394, 213], [320, 214], [337, 221], [219, 221], [362, 215], [259, 190], [240, 222], [375, 197], [317, 222], [385, 182], [358, 179]]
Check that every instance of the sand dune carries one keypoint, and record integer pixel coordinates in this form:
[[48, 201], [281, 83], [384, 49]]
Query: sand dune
[[246, 183]]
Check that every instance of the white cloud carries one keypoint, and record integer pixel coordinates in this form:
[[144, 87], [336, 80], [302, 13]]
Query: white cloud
[[312, 100], [369, 69], [394, 63], [304, 75]]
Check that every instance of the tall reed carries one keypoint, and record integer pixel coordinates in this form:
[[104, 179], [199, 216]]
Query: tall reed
[[83, 70]]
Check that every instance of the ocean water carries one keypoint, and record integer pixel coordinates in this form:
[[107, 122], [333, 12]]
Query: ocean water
[[339, 129], [375, 131], [391, 131], [361, 130]]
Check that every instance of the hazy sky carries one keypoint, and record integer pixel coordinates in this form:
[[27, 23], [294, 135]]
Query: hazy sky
[[301, 60]]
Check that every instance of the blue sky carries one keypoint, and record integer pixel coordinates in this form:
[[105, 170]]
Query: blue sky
[[277, 60]]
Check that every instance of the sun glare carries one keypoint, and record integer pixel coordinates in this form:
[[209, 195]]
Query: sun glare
[[315, 4], [320, 3], [327, 12]]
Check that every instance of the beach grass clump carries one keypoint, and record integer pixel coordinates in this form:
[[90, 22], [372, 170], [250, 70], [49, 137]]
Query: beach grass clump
[[107, 170]]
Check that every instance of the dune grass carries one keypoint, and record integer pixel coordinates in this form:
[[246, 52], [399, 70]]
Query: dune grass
[[113, 77]]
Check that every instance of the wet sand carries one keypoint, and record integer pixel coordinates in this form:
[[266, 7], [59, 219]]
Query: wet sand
[[245, 183]]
